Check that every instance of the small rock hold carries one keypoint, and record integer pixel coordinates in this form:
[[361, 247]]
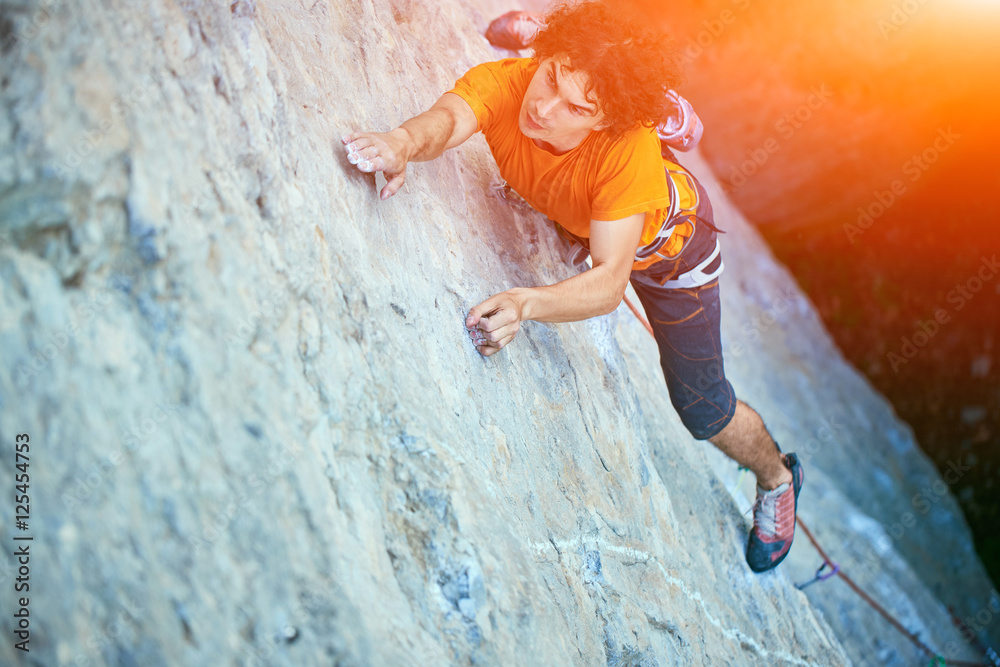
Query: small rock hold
[[468, 608], [310, 333], [289, 633]]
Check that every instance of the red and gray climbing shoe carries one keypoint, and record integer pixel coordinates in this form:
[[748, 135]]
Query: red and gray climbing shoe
[[774, 520]]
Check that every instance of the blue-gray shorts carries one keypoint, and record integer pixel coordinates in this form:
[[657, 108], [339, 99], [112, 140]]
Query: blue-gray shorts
[[686, 323]]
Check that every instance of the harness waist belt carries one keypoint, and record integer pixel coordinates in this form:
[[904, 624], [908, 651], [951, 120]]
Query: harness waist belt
[[699, 275]]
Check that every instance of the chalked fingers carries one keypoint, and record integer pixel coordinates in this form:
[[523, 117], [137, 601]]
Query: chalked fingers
[[360, 149], [489, 348], [387, 152], [372, 164]]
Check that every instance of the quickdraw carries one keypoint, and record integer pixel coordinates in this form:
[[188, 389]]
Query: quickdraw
[[820, 576]]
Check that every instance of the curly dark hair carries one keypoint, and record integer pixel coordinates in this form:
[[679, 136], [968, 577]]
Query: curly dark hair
[[631, 66]]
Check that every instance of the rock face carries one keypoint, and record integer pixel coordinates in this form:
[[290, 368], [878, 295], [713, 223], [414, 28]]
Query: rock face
[[260, 435]]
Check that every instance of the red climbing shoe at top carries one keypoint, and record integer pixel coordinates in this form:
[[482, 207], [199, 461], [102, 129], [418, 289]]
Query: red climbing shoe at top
[[515, 30], [774, 520]]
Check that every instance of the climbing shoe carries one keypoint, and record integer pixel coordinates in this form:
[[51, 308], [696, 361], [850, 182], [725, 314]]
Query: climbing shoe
[[774, 520], [515, 30]]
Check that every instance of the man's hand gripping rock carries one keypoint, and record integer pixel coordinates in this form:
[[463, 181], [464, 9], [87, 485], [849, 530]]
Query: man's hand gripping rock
[[494, 323], [386, 152]]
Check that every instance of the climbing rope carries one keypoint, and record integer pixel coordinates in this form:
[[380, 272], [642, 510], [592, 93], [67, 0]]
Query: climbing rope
[[936, 659]]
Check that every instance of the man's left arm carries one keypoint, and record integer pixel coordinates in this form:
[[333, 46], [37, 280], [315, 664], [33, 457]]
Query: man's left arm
[[589, 294]]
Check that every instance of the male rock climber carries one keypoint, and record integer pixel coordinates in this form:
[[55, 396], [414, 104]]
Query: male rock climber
[[571, 130]]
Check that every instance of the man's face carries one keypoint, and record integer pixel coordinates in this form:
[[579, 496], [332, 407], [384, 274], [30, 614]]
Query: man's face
[[556, 113]]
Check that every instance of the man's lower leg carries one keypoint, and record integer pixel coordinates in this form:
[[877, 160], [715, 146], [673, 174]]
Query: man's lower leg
[[745, 440]]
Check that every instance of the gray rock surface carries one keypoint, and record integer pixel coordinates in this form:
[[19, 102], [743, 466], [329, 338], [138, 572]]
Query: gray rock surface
[[260, 435]]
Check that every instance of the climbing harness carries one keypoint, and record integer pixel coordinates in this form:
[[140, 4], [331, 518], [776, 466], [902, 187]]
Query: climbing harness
[[699, 275], [675, 215]]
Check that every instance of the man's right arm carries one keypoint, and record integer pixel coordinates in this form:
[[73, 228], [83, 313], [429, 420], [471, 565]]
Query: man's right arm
[[445, 125]]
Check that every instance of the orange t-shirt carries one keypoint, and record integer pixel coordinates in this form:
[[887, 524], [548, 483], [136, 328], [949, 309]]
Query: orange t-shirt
[[601, 179]]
